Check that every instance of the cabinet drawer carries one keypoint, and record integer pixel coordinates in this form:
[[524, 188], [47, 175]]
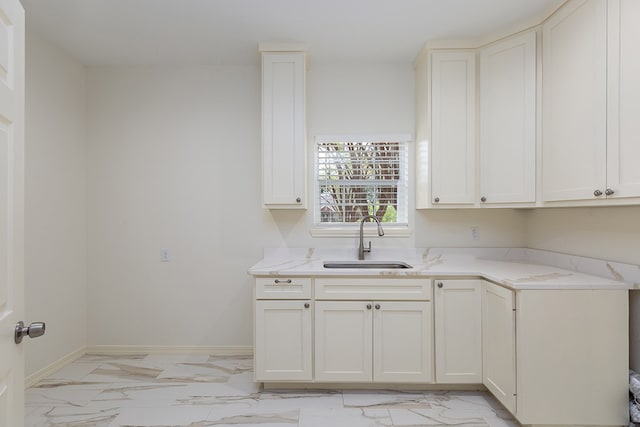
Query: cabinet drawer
[[283, 288], [375, 289]]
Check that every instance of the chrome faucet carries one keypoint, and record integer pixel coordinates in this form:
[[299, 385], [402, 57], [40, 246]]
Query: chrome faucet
[[361, 248]]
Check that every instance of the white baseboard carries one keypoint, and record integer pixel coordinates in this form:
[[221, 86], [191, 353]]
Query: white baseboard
[[177, 349], [43, 373]]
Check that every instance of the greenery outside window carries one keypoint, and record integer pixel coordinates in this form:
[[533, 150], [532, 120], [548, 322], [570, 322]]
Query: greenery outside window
[[359, 176]]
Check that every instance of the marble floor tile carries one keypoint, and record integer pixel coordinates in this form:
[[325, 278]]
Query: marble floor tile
[[196, 390], [293, 400], [344, 417], [173, 416]]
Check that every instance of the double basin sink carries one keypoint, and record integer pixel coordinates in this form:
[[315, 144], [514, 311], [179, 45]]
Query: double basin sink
[[366, 264]]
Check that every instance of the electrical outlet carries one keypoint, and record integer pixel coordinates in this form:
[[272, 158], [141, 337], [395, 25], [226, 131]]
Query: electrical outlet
[[164, 255], [475, 233]]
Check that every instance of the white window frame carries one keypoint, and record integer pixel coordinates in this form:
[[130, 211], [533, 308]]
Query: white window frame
[[322, 229]]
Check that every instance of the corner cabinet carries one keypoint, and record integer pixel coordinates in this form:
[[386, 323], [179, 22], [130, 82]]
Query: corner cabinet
[[283, 130], [557, 356], [455, 168], [590, 103]]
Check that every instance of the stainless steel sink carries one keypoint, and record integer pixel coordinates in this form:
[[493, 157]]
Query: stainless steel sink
[[366, 264]]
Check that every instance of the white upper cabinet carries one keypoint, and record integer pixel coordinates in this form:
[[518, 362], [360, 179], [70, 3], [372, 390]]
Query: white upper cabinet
[[453, 128], [590, 102], [283, 130], [508, 121], [623, 141], [574, 99]]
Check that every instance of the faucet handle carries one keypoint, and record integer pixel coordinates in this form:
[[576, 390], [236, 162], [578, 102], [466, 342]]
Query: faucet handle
[[368, 248]]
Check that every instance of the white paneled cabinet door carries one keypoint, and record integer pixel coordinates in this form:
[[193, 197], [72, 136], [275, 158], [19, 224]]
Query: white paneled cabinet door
[[402, 342], [623, 146], [283, 130], [343, 337], [498, 344], [507, 120], [574, 99], [283, 334], [453, 128], [12, 49], [458, 331]]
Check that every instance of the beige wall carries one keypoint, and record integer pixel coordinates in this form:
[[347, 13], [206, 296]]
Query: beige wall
[[55, 203], [167, 149], [611, 233], [174, 162]]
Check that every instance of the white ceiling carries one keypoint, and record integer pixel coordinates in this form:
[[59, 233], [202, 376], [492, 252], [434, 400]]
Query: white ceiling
[[115, 32]]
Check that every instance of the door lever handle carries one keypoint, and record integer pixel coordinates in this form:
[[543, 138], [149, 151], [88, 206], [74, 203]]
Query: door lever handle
[[34, 330]]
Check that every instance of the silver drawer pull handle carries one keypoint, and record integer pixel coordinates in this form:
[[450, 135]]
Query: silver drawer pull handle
[[282, 281]]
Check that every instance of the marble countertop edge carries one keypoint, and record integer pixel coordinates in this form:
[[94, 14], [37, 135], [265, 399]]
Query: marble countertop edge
[[515, 273]]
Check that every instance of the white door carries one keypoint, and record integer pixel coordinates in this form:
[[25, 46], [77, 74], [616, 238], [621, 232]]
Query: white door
[[343, 341], [507, 120], [11, 210], [499, 344], [402, 343], [283, 130], [283, 340], [458, 326], [574, 100], [453, 129], [623, 127]]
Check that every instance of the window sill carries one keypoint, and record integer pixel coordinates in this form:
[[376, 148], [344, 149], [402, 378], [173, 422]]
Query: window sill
[[353, 231]]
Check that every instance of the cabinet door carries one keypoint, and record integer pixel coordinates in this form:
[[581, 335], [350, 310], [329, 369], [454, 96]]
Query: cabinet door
[[343, 336], [402, 342], [458, 329], [623, 148], [283, 340], [498, 344], [453, 128], [507, 120], [574, 99], [283, 130]]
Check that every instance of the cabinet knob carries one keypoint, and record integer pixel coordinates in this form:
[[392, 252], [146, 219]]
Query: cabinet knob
[[440, 285], [298, 199], [597, 193], [609, 192], [368, 306], [483, 199], [377, 306], [436, 200], [282, 281], [306, 305]]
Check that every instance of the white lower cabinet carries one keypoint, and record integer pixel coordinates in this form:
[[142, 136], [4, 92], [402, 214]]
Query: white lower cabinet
[[551, 357], [381, 341], [557, 357], [499, 344], [283, 340], [458, 331]]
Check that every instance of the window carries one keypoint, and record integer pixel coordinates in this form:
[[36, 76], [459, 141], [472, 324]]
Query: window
[[359, 176]]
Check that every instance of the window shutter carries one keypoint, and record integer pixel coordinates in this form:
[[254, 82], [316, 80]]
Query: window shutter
[[359, 178]]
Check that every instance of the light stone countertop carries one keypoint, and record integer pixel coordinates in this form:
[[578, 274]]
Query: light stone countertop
[[515, 268]]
